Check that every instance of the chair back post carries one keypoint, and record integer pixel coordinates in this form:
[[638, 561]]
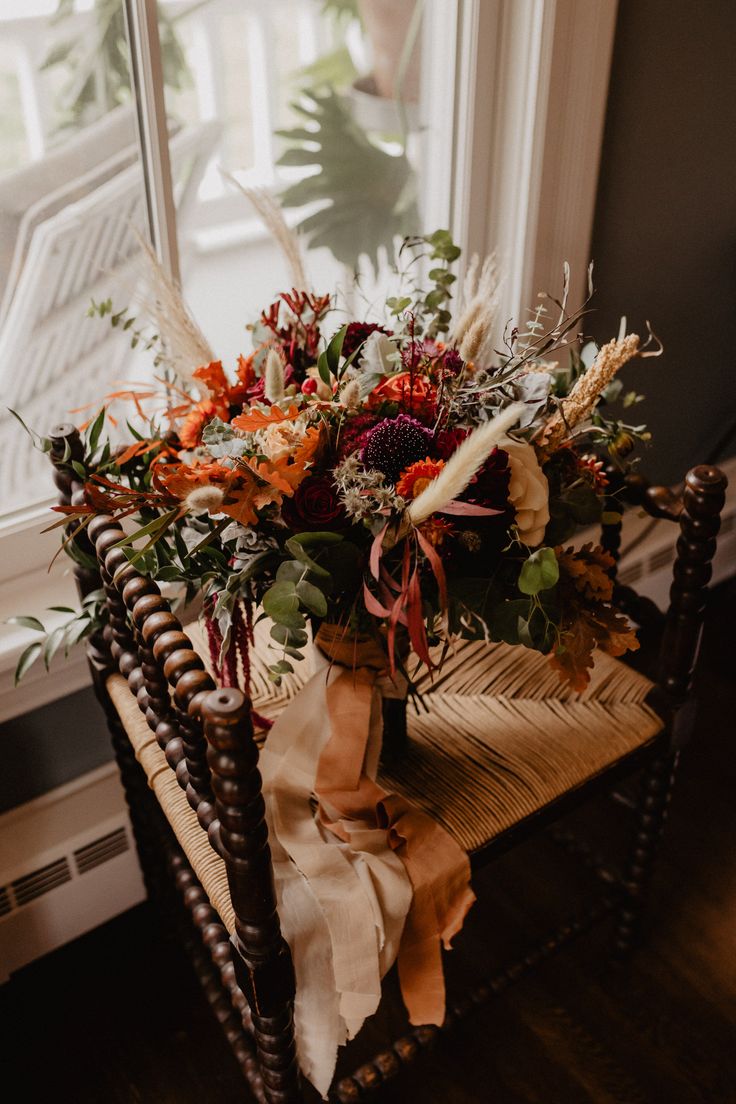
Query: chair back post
[[700, 520], [263, 963], [66, 446]]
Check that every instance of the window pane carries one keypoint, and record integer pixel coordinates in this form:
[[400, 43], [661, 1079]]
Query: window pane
[[326, 107], [71, 202]]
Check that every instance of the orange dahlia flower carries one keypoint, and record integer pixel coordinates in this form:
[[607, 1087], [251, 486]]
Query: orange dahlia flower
[[417, 476]]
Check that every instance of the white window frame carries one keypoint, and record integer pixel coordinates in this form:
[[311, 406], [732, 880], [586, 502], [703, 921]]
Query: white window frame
[[521, 179]]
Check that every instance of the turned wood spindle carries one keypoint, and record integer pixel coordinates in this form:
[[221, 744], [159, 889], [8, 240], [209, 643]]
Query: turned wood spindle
[[263, 963]]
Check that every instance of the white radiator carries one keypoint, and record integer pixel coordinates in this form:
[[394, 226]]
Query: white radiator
[[67, 864]]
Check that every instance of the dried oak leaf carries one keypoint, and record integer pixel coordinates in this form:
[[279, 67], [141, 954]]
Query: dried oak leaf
[[587, 568], [573, 658]]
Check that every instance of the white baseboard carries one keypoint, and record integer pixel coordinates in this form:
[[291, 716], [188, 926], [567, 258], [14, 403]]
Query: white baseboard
[[67, 864]]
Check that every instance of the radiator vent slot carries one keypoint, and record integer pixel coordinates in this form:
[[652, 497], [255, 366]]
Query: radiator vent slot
[[6, 904], [101, 850], [629, 574], [661, 559], [34, 885]]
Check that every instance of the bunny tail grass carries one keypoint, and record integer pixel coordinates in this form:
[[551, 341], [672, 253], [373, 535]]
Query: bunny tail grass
[[273, 219], [463, 464], [274, 377]]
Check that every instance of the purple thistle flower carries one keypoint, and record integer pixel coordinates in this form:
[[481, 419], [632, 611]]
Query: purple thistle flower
[[394, 444]]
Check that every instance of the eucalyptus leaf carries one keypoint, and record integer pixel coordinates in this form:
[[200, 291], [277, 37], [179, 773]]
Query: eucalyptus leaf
[[312, 597], [308, 538], [281, 600], [295, 638], [290, 571], [303, 556], [540, 572]]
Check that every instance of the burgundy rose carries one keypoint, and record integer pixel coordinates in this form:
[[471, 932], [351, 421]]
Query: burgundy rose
[[448, 440], [357, 333], [490, 485], [315, 505]]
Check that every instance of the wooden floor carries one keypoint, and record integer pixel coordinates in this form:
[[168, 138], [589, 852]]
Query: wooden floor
[[118, 1016]]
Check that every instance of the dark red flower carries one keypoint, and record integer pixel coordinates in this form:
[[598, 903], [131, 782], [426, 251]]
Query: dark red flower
[[490, 486], [354, 433], [447, 440], [315, 505], [357, 333]]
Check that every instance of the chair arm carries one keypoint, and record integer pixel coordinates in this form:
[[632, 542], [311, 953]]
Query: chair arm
[[657, 501]]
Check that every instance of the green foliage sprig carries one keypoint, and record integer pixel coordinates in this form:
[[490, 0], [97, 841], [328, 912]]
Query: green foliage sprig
[[80, 625]]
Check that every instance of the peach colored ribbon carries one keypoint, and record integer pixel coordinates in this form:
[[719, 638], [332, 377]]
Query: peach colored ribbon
[[438, 868]]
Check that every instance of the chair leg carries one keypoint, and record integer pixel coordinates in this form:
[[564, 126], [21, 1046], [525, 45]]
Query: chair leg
[[656, 788]]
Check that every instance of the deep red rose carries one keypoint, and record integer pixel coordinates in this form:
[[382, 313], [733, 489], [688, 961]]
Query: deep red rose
[[315, 505], [490, 486], [357, 333]]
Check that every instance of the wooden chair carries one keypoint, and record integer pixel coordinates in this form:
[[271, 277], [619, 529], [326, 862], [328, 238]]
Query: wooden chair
[[189, 766]]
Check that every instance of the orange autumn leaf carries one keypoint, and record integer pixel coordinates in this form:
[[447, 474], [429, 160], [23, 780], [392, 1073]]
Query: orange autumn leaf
[[246, 372], [613, 632], [260, 419], [213, 376], [287, 472], [241, 502], [307, 449], [136, 449], [282, 475]]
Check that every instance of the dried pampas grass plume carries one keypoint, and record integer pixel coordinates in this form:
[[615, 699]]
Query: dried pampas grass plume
[[463, 464], [273, 219], [185, 348], [584, 395], [473, 333]]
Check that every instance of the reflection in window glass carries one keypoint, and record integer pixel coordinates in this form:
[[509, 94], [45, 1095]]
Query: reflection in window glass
[[320, 103], [70, 200]]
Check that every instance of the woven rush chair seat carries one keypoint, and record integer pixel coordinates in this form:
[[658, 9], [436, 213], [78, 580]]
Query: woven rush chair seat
[[501, 740]]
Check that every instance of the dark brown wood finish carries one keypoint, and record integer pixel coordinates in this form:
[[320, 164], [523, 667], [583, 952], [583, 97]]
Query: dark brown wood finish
[[208, 741], [263, 964]]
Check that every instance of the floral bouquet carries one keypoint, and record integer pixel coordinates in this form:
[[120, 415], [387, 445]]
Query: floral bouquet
[[405, 481], [393, 486]]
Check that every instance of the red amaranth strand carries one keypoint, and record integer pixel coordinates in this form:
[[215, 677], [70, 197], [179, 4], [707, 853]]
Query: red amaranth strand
[[214, 642]]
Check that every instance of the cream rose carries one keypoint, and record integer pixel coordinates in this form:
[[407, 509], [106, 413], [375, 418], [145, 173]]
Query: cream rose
[[528, 491], [280, 439]]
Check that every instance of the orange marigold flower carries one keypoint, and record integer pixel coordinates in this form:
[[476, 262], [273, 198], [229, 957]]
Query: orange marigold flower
[[417, 476], [190, 433]]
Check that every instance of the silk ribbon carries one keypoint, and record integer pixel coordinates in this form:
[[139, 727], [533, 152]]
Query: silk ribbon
[[364, 880]]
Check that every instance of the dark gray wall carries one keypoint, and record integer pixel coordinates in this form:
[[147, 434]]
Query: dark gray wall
[[50, 746], [664, 239]]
